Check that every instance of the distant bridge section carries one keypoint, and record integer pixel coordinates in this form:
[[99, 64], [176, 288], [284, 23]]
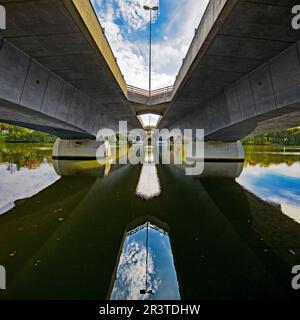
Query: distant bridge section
[[156, 101]]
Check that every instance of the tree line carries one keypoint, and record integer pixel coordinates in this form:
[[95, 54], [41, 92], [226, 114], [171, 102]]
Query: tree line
[[10, 133], [289, 137]]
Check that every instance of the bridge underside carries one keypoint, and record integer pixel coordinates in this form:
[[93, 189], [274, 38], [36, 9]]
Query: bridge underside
[[57, 72], [25, 117], [241, 74]]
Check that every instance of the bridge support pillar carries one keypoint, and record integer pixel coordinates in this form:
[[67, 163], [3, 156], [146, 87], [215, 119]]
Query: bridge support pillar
[[223, 151], [76, 149], [215, 151], [222, 159]]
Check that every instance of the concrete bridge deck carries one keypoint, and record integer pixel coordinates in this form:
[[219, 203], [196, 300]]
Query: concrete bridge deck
[[57, 71], [241, 74]]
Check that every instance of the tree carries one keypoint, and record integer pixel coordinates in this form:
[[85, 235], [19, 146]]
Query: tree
[[19, 134], [284, 137]]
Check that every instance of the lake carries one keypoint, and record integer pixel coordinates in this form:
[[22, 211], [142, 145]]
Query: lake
[[90, 230]]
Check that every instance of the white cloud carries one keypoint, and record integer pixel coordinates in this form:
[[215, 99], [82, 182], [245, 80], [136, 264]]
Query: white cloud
[[276, 169], [131, 274], [288, 199], [32, 182], [168, 51], [291, 210], [133, 13]]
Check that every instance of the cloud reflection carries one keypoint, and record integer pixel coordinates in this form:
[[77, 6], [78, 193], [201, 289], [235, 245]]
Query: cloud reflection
[[146, 264], [25, 183], [131, 277], [278, 184]]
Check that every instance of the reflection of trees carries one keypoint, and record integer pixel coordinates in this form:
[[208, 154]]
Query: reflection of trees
[[24, 155], [267, 155], [33, 163]]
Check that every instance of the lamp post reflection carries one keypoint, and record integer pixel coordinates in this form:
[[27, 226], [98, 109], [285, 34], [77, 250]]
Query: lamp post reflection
[[146, 255]]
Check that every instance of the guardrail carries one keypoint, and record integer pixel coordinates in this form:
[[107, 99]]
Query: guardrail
[[146, 93]]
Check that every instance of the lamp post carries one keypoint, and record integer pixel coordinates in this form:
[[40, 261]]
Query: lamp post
[[146, 290], [150, 9]]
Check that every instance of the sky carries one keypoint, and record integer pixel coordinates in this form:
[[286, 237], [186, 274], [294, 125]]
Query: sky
[[133, 265], [278, 184], [126, 26]]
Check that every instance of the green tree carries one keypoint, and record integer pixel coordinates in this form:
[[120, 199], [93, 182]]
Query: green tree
[[285, 137], [19, 134]]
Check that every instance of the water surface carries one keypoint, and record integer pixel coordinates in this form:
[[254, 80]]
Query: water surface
[[80, 230]]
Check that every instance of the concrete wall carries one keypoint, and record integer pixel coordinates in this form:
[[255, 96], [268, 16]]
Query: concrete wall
[[33, 96], [241, 73], [58, 73], [86, 11], [76, 149], [211, 22], [268, 98]]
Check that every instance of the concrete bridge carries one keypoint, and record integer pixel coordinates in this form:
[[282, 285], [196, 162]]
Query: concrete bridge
[[57, 71], [241, 74]]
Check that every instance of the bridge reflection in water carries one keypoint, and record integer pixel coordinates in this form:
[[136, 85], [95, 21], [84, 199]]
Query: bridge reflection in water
[[146, 269], [148, 186], [218, 240]]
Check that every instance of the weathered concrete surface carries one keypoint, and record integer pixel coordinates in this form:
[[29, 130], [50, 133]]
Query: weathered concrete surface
[[158, 109], [76, 149], [242, 72], [218, 170], [157, 104], [223, 151], [57, 71]]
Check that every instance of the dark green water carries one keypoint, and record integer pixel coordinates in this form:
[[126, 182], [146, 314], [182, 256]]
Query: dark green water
[[91, 235]]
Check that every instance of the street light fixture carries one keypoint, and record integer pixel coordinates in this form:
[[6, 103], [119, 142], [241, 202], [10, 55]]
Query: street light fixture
[[150, 9]]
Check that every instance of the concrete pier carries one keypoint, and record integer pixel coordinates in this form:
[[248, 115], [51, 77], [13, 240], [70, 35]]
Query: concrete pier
[[222, 152], [221, 160], [76, 149]]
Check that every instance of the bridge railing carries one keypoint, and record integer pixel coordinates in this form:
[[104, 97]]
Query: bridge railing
[[146, 93]]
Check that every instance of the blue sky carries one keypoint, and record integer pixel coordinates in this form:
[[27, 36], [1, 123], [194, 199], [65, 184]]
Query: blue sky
[[132, 266], [126, 26], [276, 184]]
